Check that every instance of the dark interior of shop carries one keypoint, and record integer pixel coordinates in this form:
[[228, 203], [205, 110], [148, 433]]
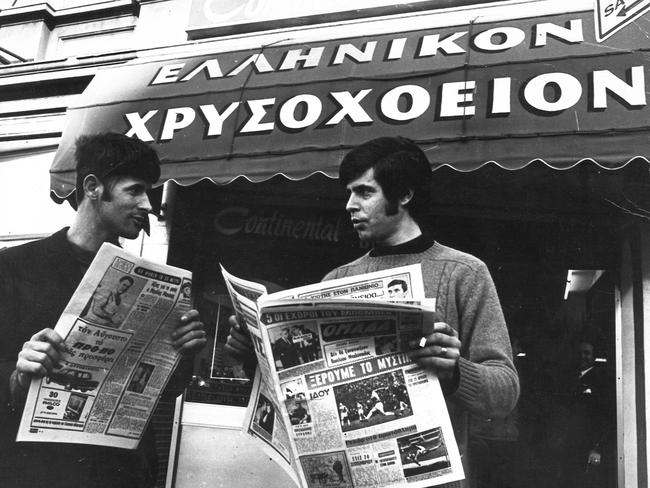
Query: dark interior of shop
[[531, 227]]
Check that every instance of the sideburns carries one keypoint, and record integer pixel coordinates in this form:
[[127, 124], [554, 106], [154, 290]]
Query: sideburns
[[391, 207], [107, 194]]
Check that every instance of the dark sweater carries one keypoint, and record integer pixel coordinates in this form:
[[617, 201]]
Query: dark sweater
[[36, 281]]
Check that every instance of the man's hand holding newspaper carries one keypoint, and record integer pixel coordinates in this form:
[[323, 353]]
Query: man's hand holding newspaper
[[439, 351], [353, 404], [96, 377]]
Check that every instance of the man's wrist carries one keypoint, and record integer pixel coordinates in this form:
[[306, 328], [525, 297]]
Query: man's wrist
[[18, 387], [21, 380], [450, 386]]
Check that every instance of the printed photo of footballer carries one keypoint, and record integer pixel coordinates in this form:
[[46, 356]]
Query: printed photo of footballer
[[373, 401], [424, 452]]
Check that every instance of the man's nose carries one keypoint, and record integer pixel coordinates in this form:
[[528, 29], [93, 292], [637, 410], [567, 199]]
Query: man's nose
[[351, 204], [144, 203]]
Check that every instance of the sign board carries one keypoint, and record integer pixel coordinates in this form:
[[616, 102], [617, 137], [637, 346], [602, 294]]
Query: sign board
[[510, 91], [613, 15], [211, 16]]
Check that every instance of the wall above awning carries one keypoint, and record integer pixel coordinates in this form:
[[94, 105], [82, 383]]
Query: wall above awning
[[507, 92]]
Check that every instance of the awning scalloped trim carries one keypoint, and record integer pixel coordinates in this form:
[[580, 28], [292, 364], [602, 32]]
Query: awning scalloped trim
[[185, 182]]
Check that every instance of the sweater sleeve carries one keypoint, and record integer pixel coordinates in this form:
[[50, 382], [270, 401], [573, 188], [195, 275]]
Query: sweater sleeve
[[488, 381]]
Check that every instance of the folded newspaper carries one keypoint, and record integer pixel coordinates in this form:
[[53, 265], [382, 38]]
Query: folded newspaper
[[118, 354], [336, 399]]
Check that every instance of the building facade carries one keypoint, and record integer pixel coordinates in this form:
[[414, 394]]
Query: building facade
[[565, 235]]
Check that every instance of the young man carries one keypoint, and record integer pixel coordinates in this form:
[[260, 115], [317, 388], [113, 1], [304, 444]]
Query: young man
[[37, 279], [389, 183], [397, 289]]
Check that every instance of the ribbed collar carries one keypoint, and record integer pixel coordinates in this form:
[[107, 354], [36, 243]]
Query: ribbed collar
[[419, 244]]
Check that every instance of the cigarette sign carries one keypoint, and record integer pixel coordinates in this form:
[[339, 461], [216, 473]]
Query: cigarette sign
[[613, 15]]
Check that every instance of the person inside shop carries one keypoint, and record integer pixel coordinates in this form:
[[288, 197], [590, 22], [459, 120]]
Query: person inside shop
[[114, 173], [389, 184], [590, 427]]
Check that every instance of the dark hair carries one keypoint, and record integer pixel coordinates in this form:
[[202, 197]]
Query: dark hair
[[402, 283], [400, 165], [127, 278], [110, 156]]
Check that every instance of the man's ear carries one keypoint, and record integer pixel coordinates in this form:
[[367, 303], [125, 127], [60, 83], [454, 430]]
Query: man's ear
[[407, 197], [92, 187]]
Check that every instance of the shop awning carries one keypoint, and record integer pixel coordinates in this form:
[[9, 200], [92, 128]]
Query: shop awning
[[508, 93]]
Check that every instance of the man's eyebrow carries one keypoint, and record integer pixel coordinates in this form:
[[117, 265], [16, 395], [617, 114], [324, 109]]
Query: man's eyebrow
[[361, 187], [136, 186]]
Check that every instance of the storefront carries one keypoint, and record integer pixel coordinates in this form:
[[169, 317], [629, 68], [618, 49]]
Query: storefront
[[537, 136]]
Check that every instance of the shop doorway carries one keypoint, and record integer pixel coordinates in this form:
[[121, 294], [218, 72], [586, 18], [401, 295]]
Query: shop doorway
[[563, 432], [530, 227]]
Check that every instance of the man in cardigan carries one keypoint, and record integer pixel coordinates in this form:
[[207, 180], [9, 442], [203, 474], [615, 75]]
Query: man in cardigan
[[37, 279], [389, 184]]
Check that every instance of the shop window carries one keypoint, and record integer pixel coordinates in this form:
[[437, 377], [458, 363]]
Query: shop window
[[528, 239]]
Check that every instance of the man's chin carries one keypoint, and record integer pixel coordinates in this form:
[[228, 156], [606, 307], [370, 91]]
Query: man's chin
[[364, 237], [130, 234]]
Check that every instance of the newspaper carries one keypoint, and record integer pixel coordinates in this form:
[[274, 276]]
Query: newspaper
[[263, 420], [118, 354], [357, 411]]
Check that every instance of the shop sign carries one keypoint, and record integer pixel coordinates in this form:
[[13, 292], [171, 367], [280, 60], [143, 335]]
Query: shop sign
[[220, 13], [433, 100], [295, 108], [278, 224], [613, 15]]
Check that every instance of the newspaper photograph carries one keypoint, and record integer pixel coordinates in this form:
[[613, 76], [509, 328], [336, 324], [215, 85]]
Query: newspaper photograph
[[264, 422], [400, 283], [118, 354], [263, 400], [360, 416], [357, 410], [244, 295]]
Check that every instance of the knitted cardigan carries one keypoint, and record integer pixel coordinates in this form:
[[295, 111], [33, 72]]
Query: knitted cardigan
[[467, 300]]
